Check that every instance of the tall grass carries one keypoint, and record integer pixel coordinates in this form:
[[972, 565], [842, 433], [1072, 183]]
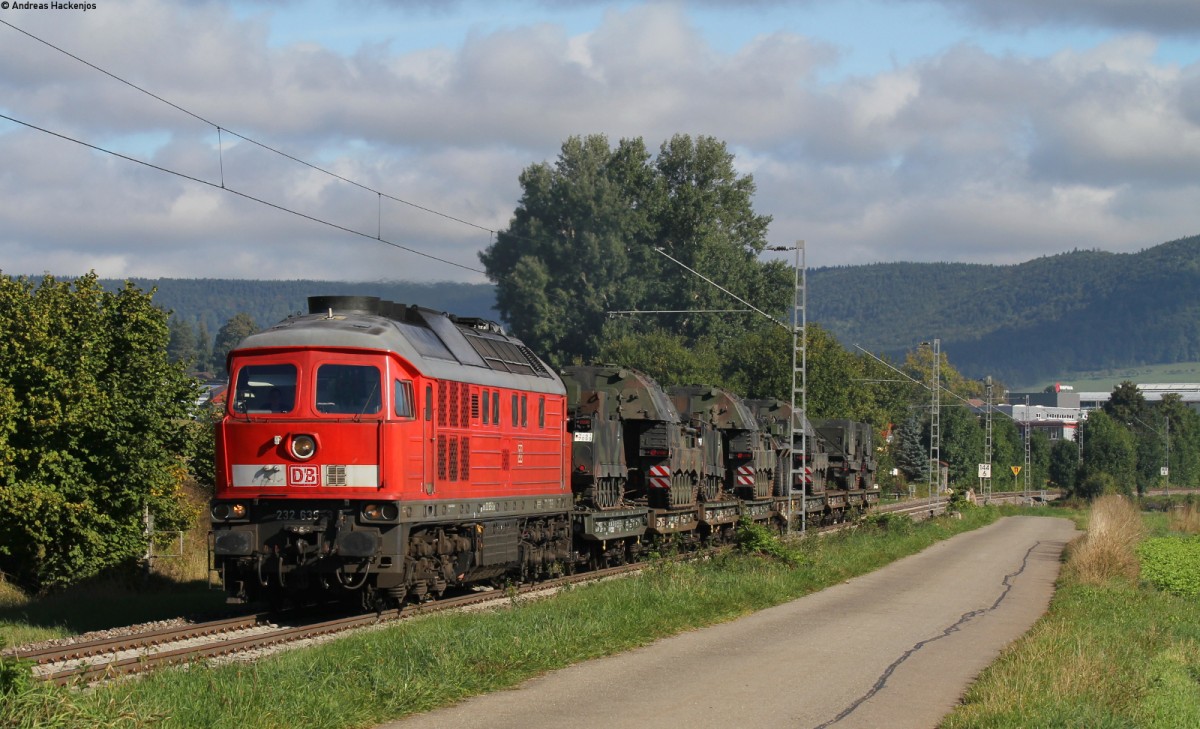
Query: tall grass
[[1185, 519], [1109, 548]]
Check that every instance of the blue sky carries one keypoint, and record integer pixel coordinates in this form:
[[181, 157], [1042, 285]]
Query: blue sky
[[965, 130]]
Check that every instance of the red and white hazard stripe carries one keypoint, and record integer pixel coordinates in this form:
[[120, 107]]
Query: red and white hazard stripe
[[745, 475], [660, 477], [807, 475]]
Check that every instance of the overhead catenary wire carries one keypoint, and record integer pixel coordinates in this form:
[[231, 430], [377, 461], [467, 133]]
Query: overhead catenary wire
[[220, 129], [898, 371], [247, 196]]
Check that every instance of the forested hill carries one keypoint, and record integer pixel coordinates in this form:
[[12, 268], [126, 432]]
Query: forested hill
[[1083, 310], [214, 301]]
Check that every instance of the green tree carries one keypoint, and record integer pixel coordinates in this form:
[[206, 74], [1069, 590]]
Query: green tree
[[910, 452], [1181, 424], [92, 419], [1109, 449], [181, 346], [239, 326], [1064, 464], [583, 240], [1127, 405], [203, 348], [666, 357], [962, 445]]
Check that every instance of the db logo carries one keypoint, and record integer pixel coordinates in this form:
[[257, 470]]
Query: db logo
[[302, 475], [4, 6]]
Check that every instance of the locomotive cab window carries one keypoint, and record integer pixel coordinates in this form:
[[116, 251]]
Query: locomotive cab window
[[348, 389], [404, 407], [265, 389]]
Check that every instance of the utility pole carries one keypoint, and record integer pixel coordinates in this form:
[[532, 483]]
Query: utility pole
[[799, 387], [935, 423], [1166, 470], [987, 447], [1028, 430]]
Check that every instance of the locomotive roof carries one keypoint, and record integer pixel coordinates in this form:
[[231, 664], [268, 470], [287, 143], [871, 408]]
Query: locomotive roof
[[439, 344]]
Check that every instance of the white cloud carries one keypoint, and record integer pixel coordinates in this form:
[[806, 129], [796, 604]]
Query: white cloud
[[965, 154]]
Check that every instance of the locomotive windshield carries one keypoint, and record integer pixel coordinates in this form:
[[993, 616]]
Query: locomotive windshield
[[265, 389], [344, 389]]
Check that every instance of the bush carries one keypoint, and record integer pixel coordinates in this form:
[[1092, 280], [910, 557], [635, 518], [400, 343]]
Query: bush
[[1172, 564], [1108, 549], [754, 538]]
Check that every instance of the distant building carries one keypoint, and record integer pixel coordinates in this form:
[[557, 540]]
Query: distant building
[[1189, 393], [1057, 413]]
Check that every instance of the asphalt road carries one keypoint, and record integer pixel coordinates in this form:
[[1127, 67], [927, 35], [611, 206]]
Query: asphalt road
[[895, 648]]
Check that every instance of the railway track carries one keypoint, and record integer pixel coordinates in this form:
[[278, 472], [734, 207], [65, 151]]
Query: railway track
[[105, 659], [108, 658]]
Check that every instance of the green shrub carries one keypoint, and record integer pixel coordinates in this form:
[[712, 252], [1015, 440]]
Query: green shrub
[[1172, 564], [754, 538]]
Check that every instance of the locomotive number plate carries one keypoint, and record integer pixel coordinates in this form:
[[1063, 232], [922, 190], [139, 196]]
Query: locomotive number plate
[[583, 437], [303, 476]]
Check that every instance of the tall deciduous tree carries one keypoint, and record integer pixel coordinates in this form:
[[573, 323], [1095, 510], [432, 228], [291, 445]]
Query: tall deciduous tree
[[1109, 456], [239, 326], [583, 240], [92, 421], [181, 347]]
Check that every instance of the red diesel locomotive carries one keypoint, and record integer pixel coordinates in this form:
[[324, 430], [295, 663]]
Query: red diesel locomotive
[[388, 451]]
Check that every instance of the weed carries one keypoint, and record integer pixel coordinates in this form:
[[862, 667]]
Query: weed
[[1172, 564], [754, 538], [1108, 549]]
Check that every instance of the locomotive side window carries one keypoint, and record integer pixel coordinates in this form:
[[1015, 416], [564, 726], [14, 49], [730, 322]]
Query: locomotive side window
[[404, 399], [514, 410], [495, 407], [524, 411], [429, 402], [542, 411], [265, 389], [485, 406], [348, 389]]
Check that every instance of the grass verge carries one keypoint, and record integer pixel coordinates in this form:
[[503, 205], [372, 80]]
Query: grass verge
[[1110, 652], [371, 677]]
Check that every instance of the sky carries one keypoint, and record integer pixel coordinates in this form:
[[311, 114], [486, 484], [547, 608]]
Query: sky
[[383, 140]]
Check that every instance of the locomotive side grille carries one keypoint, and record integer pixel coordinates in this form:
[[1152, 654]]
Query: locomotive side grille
[[441, 457], [453, 458], [454, 392], [504, 458], [442, 396], [465, 453], [335, 475], [475, 406], [464, 402]]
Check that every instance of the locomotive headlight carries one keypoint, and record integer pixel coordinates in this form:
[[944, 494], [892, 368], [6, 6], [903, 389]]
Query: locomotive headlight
[[225, 512], [303, 447], [381, 512]]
